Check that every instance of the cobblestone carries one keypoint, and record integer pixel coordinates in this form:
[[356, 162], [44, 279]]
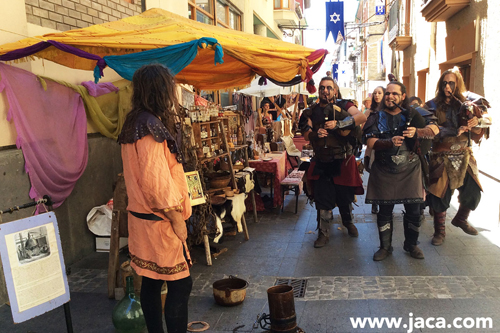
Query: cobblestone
[[330, 287]]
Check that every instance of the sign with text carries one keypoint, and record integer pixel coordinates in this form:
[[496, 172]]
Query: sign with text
[[379, 7], [33, 266]]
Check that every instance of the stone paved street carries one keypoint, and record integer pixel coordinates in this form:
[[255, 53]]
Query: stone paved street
[[461, 278]]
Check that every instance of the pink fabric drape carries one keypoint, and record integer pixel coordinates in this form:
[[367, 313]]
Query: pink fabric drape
[[51, 131]]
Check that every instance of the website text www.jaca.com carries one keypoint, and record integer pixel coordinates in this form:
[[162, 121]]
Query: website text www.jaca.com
[[413, 323]]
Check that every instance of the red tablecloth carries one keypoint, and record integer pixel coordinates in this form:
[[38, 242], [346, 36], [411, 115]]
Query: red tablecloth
[[278, 167], [299, 142]]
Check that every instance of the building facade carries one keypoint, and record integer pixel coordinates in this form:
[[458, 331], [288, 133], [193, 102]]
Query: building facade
[[423, 38]]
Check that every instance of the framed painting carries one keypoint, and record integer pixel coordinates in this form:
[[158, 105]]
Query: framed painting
[[195, 188]]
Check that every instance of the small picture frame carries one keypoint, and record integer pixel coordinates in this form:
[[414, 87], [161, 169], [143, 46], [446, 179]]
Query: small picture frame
[[195, 188]]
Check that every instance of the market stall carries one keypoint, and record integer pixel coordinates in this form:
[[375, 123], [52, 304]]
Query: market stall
[[203, 56]]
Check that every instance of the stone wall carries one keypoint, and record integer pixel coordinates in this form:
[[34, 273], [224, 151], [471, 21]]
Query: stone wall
[[66, 15], [94, 188]]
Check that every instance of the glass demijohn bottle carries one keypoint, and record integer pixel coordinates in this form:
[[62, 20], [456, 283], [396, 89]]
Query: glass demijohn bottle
[[127, 314]]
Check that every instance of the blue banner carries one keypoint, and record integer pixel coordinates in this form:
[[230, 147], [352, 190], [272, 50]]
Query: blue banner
[[334, 19], [335, 71]]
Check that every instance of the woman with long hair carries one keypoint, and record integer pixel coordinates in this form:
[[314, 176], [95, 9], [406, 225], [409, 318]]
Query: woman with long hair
[[158, 200], [377, 97]]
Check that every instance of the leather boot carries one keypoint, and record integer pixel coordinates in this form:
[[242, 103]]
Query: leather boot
[[346, 215], [385, 226], [374, 209], [411, 225], [439, 229], [460, 221], [325, 216]]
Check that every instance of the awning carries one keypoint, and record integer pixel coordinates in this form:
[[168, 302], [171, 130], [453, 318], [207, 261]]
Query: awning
[[244, 54]]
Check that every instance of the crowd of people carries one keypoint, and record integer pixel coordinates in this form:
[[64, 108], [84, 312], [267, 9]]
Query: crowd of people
[[404, 169], [416, 154]]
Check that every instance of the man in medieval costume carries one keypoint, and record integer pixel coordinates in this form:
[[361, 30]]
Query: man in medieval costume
[[397, 133], [332, 127], [461, 117]]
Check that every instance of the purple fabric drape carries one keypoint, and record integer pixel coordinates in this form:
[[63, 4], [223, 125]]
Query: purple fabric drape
[[30, 50], [51, 131], [98, 89]]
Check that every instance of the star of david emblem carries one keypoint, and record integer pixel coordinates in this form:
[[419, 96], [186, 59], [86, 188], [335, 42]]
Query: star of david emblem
[[336, 19]]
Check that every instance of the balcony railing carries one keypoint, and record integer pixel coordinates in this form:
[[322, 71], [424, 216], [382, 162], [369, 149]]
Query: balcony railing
[[442, 10], [400, 37]]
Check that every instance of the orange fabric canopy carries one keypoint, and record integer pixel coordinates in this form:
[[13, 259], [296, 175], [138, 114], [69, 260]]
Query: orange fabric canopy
[[244, 54]]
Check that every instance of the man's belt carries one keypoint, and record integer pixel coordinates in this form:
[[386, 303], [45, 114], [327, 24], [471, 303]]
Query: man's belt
[[337, 153], [439, 147], [150, 217]]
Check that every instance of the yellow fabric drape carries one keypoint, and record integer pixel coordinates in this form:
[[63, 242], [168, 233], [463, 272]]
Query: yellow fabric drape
[[107, 112], [244, 54]]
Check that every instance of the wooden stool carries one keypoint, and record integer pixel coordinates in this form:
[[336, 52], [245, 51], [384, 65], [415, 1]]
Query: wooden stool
[[292, 183]]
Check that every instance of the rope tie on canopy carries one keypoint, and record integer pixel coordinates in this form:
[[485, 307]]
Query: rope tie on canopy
[[306, 73], [31, 50], [175, 57]]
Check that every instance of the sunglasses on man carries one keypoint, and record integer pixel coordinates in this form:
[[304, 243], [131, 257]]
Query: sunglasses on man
[[322, 88]]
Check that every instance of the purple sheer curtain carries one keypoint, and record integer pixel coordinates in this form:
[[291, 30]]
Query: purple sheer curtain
[[51, 131]]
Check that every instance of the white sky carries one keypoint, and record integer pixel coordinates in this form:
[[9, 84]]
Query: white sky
[[314, 35]]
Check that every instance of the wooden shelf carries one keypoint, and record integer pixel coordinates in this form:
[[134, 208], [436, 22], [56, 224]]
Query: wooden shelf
[[211, 138], [238, 147], [206, 122], [203, 160]]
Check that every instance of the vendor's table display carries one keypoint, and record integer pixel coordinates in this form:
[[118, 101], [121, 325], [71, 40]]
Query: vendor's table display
[[276, 165]]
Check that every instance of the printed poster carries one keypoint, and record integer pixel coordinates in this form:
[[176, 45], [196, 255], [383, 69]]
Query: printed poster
[[33, 265]]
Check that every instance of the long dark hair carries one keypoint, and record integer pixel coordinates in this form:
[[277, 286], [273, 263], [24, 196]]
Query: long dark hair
[[375, 106], [459, 88], [154, 92]]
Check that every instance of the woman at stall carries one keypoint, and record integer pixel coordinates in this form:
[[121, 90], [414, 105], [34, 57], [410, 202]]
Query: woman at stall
[[158, 201], [376, 103]]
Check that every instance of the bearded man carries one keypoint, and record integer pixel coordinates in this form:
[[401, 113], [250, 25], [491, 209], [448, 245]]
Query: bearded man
[[332, 127], [395, 133]]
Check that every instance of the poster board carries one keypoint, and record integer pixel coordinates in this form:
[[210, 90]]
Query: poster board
[[194, 187], [33, 266]]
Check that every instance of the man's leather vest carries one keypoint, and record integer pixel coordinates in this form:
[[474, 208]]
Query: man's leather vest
[[334, 146]]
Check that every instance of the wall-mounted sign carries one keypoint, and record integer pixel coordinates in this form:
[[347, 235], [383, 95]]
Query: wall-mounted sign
[[379, 7]]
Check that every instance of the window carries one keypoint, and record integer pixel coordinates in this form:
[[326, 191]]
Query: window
[[282, 4], [221, 12], [234, 20], [215, 12]]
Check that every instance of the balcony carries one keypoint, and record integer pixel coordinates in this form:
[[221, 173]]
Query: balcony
[[442, 10], [399, 37], [288, 13]]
